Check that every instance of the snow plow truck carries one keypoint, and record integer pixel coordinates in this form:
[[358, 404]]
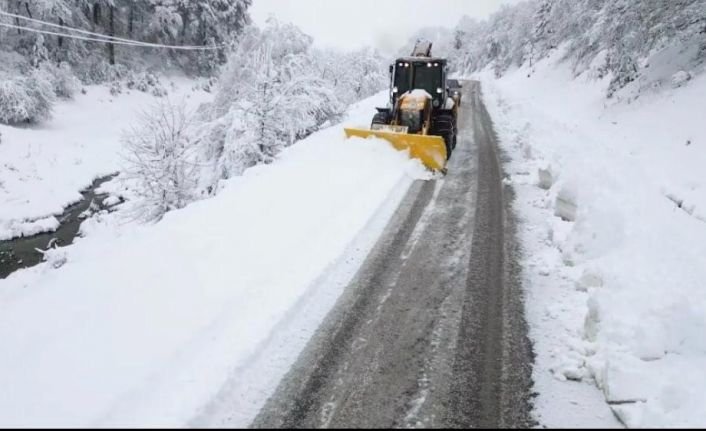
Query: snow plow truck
[[421, 115]]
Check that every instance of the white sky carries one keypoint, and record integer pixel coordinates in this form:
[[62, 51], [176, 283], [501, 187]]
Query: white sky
[[385, 24]]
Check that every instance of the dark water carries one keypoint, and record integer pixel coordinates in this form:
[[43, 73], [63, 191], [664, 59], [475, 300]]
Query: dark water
[[22, 252]]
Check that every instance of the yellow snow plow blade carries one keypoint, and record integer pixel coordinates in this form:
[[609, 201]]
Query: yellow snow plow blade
[[431, 150]]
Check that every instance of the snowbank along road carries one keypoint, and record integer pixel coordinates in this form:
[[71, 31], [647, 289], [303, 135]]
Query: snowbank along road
[[431, 331]]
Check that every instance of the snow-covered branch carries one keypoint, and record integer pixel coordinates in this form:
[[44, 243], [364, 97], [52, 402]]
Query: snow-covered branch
[[160, 151]]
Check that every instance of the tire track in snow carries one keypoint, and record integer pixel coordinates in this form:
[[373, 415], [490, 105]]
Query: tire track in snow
[[431, 330]]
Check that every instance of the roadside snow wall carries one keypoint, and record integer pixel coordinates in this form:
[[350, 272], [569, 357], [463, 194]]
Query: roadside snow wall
[[612, 196]]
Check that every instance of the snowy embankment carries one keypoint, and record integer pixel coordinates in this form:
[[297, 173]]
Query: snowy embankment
[[612, 198], [52, 162], [144, 325]]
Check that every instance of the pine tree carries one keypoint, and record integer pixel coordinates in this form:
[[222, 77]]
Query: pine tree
[[541, 35]]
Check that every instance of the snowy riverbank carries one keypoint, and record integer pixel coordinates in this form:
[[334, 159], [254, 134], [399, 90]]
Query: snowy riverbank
[[43, 168]]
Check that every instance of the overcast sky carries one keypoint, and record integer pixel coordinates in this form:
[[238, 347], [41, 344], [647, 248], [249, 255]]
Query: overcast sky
[[385, 24]]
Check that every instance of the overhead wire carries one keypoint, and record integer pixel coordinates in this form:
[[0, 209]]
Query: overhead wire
[[97, 37], [65, 27]]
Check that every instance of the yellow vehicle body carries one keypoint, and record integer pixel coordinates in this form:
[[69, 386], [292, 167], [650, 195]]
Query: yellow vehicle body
[[416, 108], [431, 150]]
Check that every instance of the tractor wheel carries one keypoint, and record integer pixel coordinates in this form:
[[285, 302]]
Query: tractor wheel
[[444, 125], [381, 118]]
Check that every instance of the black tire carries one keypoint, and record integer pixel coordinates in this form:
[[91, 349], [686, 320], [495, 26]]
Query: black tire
[[444, 125], [381, 118]]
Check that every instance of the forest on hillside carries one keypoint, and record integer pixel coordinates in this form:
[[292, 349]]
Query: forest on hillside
[[610, 38], [171, 22]]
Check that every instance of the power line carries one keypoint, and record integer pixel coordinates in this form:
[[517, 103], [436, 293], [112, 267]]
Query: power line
[[101, 38], [91, 39], [115, 42], [63, 27]]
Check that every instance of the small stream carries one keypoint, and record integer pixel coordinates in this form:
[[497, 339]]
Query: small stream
[[22, 252]]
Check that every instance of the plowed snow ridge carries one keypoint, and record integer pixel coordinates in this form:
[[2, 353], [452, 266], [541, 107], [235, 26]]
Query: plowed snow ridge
[[144, 324]]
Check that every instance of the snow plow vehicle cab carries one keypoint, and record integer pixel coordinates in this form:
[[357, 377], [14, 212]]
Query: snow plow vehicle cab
[[421, 115]]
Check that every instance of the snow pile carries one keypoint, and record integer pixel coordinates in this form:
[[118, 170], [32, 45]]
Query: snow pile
[[613, 201], [419, 94], [44, 167], [18, 228], [142, 325]]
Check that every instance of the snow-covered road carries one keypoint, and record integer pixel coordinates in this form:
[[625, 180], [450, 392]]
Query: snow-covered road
[[430, 332]]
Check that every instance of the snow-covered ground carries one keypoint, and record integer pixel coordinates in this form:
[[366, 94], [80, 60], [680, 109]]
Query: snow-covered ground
[[145, 324], [612, 198], [53, 161]]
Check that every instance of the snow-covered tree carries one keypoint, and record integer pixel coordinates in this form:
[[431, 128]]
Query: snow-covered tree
[[26, 98], [174, 22], [203, 23], [369, 72], [271, 95], [542, 31], [277, 89], [616, 38], [161, 166], [215, 23], [354, 75]]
